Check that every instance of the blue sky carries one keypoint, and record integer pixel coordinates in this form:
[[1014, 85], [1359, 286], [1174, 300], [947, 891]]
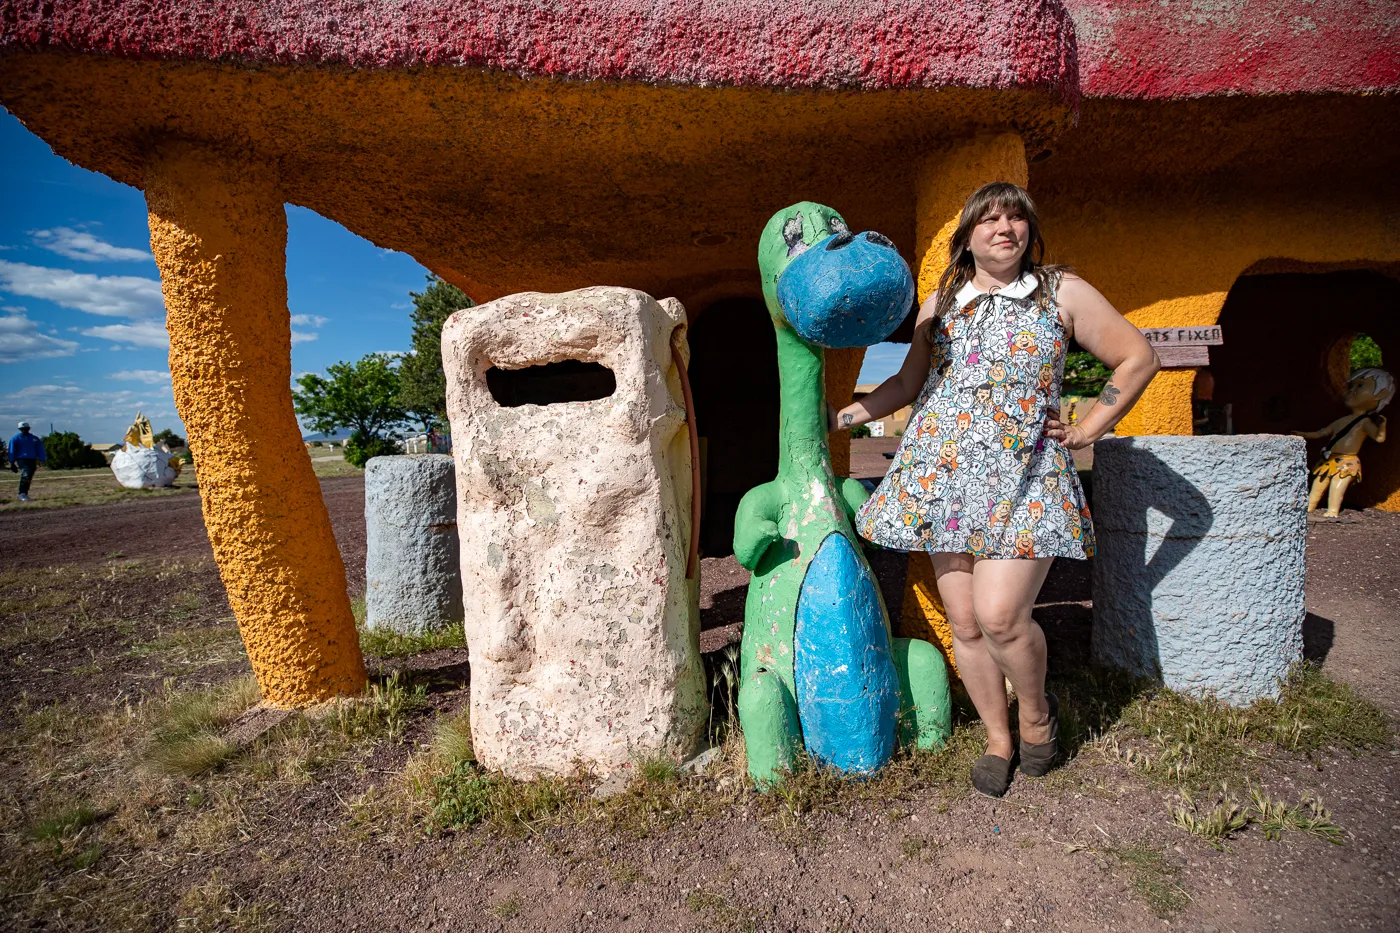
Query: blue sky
[[82, 324]]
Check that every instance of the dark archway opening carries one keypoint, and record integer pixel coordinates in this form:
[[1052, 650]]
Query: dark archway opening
[[734, 376], [1288, 354]]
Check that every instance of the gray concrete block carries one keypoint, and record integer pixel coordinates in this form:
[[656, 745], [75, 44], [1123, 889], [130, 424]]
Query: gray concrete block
[[413, 581], [1198, 579]]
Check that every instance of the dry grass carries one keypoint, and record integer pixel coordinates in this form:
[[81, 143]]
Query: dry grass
[[56, 489], [1153, 878]]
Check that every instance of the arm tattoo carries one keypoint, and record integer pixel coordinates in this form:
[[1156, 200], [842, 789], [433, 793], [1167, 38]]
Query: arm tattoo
[[846, 419], [1109, 396]]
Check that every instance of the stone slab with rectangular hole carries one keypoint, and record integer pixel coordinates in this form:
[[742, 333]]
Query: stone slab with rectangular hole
[[573, 485], [1198, 579]]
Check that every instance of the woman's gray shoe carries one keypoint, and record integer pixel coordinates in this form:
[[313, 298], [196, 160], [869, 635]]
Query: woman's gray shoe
[[991, 775], [1037, 760]]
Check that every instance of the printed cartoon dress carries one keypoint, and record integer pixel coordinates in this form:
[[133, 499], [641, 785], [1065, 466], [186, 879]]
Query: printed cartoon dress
[[974, 473]]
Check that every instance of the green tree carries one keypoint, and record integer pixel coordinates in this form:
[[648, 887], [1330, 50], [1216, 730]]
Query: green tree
[[65, 450], [172, 440], [1364, 352], [1084, 375], [362, 396], [424, 386]]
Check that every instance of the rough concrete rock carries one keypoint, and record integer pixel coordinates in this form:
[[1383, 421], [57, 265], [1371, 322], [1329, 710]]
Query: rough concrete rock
[[413, 582], [1199, 575], [575, 524]]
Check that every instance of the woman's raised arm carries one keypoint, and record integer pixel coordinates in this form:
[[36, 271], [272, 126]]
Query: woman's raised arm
[[1100, 329], [898, 390]]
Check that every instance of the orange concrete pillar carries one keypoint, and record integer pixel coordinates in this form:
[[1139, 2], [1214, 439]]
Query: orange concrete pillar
[[219, 234], [942, 185], [842, 374]]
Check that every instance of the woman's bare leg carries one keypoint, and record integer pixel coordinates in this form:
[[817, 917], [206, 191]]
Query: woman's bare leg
[[1003, 592], [980, 674]]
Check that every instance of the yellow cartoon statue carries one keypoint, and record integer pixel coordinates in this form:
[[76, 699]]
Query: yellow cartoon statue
[[1368, 391]]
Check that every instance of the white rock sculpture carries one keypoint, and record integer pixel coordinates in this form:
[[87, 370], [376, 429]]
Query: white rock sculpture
[[574, 522], [137, 467]]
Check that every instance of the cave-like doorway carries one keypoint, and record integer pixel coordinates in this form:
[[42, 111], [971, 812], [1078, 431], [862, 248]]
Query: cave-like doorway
[[734, 375], [1286, 360]]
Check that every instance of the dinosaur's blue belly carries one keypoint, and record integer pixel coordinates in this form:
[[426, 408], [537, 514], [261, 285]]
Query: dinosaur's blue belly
[[847, 687]]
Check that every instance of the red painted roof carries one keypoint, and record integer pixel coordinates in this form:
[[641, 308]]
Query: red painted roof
[[1194, 48], [867, 44]]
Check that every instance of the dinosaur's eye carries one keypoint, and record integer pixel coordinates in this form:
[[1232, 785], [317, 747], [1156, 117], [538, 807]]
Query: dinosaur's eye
[[840, 240], [879, 239]]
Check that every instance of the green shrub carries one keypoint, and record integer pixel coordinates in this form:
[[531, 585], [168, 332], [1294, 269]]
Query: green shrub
[[1365, 352], [860, 430], [172, 440], [360, 447], [67, 451], [1084, 375]]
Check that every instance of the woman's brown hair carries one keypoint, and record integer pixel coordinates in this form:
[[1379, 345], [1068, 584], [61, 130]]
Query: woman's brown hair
[[1005, 195]]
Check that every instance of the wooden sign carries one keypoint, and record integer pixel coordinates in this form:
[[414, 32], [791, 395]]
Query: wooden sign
[[1181, 347]]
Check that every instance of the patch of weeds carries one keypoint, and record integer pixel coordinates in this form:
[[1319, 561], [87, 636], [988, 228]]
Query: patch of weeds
[[185, 739], [64, 823], [913, 847], [1196, 742], [215, 905], [628, 874], [467, 796], [699, 901], [506, 909], [1153, 878], [1213, 823], [384, 710], [452, 740], [660, 770], [387, 644], [1313, 712], [1309, 817]]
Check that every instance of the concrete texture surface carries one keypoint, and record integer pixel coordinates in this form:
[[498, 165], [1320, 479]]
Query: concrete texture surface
[[574, 521], [413, 575], [1200, 572]]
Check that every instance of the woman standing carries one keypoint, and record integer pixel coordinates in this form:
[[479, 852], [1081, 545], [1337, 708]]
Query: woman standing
[[986, 364]]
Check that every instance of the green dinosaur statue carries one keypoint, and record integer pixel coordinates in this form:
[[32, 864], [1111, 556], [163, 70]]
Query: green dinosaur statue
[[818, 666]]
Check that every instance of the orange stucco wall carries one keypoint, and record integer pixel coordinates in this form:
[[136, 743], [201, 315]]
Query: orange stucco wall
[[219, 234]]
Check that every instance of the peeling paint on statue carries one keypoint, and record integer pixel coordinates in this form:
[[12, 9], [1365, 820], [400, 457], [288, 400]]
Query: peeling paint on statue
[[574, 495]]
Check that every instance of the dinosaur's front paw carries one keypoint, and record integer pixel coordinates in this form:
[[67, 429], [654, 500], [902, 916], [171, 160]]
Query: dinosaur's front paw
[[752, 539]]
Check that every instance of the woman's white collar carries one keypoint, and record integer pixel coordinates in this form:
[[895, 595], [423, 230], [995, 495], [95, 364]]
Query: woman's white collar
[[1017, 289]]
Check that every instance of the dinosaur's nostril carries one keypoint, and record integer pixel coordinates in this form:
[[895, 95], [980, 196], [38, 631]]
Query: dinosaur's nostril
[[879, 239], [840, 240]]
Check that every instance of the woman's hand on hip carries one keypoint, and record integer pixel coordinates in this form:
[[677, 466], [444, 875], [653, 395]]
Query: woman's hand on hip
[[1071, 435]]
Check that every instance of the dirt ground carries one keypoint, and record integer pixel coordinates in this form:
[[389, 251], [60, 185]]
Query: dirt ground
[[106, 608]]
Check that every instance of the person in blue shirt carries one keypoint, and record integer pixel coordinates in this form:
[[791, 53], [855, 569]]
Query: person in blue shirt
[[26, 453]]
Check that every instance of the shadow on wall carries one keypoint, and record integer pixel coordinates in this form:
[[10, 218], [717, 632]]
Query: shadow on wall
[[1147, 531]]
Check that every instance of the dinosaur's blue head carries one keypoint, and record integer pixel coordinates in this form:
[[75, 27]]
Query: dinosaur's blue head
[[846, 290]]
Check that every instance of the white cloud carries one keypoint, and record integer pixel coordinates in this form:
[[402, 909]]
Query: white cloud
[[151, 377], [308, 320], [20, 339], [105, 295], [139, 333], [98, 414], [303, 336], [84, 247]]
